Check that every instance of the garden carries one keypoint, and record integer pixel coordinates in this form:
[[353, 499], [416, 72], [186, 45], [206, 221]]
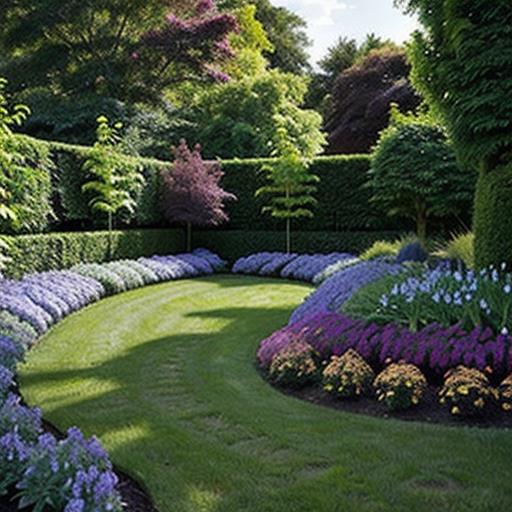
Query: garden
[[233, 281]]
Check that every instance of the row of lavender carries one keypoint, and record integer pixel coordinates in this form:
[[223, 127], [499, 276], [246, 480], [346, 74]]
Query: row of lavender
[[74, 474]]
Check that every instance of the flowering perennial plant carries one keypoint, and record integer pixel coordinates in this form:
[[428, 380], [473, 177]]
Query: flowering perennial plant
[[274, 267], [145, 273], [294, 366], [435, 349], [335, 291], [422, 296], [253, 263], [467, 392], [400, 386], [505, 394], [339, 266], [21, 332], [11, 353], [306, 267], [131, 278], [67, 474], [6, 381], [110, 280], [348, 376]]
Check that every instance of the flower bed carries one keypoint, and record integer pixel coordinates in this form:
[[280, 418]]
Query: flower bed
[[290, 266], [72, 474]]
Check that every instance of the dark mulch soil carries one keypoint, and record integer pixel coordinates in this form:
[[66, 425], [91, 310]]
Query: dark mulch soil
[[134, 496], [428, 411]]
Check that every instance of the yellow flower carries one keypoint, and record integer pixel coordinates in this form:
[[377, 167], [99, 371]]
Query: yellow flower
[[415, 400], [463, 390], [506, 407], [479, 403], [455, 410], [328, 387], [390, 393], [408, 384]]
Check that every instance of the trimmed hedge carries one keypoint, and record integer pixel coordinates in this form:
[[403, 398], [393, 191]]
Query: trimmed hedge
[[344, 201], [493, 229], [37, 253], [344, 204], [235, 244]]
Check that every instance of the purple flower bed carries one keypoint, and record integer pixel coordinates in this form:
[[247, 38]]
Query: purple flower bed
[[336, 290], [74, 474], [289, 266], [216, 262], [435, 349]]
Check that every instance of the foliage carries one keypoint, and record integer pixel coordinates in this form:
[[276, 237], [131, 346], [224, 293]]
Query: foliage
[[68, 474], [113, 187], [467, 392], [333, 269], [422, 296], [384, 248], [344, 54], [348, 376], [290, 182], [294, 366], [192, 193], [242, 119], [286, 32], [461, 64], [414, 173], [38, 253], [459, 248], [110, 49], [400, 386], [362, 98], [335, 291]]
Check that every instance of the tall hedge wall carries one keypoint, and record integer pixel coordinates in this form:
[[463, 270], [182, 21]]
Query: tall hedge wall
[[37, 253], [344, 204]]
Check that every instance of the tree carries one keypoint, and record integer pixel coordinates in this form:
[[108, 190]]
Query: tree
[[362, 99], [192, 193], [75, 59], [414, 172], [286, 32], [112, 184], [241, 118], [290, 183], [462, 64]]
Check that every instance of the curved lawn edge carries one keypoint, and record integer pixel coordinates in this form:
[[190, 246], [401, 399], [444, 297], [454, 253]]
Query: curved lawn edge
[[225, 440]]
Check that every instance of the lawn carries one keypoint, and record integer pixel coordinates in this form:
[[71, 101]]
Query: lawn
[[165, 376]]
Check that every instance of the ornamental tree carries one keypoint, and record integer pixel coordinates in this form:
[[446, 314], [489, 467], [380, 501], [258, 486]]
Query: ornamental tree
[[192, 193], [414, 173], [362, 97], [462, 64], [291, 184], [113, 183]]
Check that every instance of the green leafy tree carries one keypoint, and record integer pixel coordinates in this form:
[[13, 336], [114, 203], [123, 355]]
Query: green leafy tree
[[286, 32], [112, 184], [291, 184], [414, 173], [9, 161], [462, 65], [241, 118]]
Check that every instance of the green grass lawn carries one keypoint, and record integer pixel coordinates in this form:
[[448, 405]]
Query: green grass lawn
[[165, 377]]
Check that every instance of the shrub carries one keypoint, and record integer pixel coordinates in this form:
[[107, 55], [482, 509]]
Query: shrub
[[56, 251], [505, 394], [383, 248], [348, 376], [6, 381], [467, 392], [339, 266], [147, 275], [130, 277], [18, 330], [110, 280], [67, 473], [13, 456], [11, 353], [294, 366], [335, 291], [400, 386], [459, 248]]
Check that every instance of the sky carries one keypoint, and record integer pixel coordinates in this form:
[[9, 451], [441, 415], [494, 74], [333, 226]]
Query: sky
[[329, 19]]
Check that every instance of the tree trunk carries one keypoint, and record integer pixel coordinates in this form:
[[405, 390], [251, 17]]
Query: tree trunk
[[421, 222], [110, 241], [288, 236], [189, 236]]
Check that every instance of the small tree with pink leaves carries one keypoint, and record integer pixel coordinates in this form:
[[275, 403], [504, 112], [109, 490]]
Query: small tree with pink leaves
[[192, 194]]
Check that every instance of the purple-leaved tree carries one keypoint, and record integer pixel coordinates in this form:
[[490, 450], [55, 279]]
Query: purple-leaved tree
[[191, 191]]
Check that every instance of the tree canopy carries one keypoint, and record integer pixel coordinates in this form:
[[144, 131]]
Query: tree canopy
[[362, 99]]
